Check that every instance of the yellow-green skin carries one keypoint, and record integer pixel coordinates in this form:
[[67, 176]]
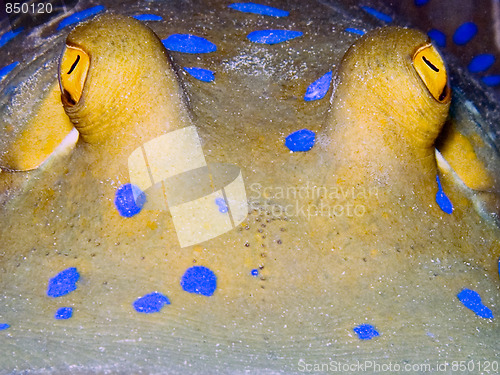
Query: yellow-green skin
[[131, 79], [131, 93], [319, 276], [383, 121]]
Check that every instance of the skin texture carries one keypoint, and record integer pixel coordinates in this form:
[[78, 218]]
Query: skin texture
[[138, 86], [399, 265], [459, 152], [367, 118], [44, 132], [129, 78], [113, 84]]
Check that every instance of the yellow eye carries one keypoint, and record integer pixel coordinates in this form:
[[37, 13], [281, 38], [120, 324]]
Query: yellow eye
[[430, 67], [73, 71]]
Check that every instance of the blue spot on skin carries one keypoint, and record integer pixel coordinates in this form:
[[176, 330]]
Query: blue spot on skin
[[7, 69], [480, 63], [188, 43], [8, 36], [420, 3], [472, 300], [80, 16], [63, 283], [465, 33], [318, 89], [273, 36], [199, 280], [150, 303], [254, 272], [438, 37], [366, 331], [301, 140], [493, 80], [355, 31], [442, 200], [4, 326], [259, 9], [204, 75], [222, 205], [64, 313], [375, 13], [129, 200], [148, 17]]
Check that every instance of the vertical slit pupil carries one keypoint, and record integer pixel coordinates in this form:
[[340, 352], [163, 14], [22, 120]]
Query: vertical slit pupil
[[429, 64], [74, 65]]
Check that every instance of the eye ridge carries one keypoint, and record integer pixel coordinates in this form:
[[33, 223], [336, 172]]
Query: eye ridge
[[430, 65], [74, 65]]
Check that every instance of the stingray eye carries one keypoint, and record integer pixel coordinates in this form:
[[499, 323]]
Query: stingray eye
[[430, 67], [73, 70]]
